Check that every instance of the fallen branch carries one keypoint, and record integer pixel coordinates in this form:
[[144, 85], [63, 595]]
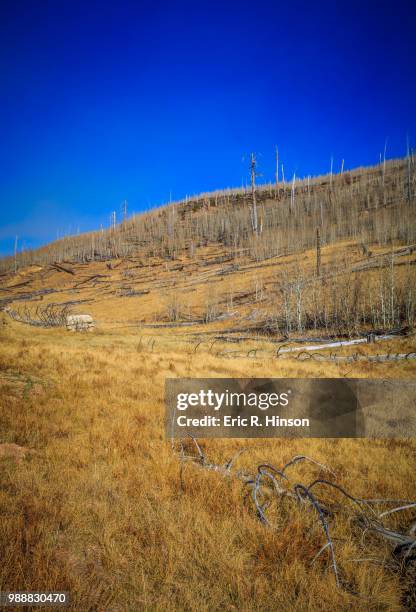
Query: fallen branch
[[267, 475], [329, 543]]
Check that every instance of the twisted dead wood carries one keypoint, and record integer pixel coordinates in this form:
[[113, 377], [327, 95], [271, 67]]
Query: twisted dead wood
[[269, 480]]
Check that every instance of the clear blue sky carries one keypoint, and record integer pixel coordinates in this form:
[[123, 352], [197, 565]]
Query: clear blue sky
[[106, 101]]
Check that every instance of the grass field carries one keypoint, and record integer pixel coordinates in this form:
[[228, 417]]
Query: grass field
[[96, 505]]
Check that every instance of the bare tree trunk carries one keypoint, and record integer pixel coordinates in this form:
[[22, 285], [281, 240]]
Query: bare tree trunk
[[253, 194], [15, 254], [318, 253], [277, 168], [298, 295], [409, 173], [392, 290], [292, 194]]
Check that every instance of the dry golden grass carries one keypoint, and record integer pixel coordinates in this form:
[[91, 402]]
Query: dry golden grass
[[97, 509]]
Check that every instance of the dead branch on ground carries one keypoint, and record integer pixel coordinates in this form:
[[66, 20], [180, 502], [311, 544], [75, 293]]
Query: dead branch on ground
[[268, 483]]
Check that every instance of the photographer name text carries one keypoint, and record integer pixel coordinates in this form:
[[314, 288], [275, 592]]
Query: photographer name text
[[239, 421]]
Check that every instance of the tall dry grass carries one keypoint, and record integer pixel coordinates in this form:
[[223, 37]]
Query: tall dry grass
[[97, 507]]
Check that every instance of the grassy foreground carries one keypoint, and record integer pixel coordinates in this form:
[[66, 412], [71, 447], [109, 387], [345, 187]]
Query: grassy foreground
[[96, 504]]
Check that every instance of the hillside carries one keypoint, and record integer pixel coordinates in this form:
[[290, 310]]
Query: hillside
[[334, 254], [369, 205]]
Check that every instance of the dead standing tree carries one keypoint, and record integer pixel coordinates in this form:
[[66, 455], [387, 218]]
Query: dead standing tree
[[254, 223], [15, 255], [124, 211], [277, 171], [318, 253], [292, 194], [409, 174]]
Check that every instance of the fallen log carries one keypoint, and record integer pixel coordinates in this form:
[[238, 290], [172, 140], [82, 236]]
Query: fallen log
[[23, 284], [23, 297], [71, 302], [176, 324], [90, 278], [386, 357], [61, 268], [319, 347], [129, 292], [381, 264]]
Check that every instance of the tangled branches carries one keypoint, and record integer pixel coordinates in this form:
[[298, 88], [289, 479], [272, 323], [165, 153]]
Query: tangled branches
[[269, 483], [52, 315]]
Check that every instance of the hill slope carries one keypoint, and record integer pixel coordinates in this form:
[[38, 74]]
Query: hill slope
[[332, 255]]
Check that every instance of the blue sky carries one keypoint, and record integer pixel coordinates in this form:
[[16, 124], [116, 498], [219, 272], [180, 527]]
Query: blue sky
[[106, 101]]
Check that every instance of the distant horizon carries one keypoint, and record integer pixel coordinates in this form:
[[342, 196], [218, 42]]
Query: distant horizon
[[104, 102]]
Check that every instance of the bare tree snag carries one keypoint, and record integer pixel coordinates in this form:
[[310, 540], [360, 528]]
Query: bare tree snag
[[292, 194], [15, 255], [277, 167], [253, 194], [124, 210], [113, 220], [318, 253], [409, 173]]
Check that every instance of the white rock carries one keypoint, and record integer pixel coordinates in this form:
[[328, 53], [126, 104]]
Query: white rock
[[81, 322]]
